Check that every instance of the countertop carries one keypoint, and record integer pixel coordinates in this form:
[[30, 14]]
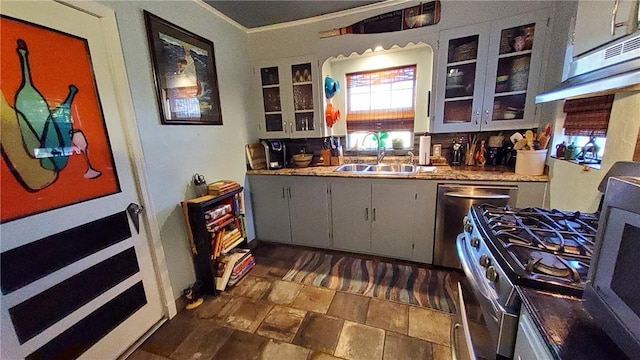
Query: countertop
[[567, 328], [446, 172]]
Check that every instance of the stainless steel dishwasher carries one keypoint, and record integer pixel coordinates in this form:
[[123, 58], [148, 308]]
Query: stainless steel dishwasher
[[453, 203]]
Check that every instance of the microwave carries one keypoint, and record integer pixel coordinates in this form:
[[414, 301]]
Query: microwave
[[612, 292]]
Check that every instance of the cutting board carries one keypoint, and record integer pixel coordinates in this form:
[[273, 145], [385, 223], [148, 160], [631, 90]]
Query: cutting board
[[256, 156]]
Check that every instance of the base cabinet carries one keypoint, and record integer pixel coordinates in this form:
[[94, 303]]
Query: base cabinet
[[529, 342], [293, 210], [378, 217], [387, 217], [270, 206]]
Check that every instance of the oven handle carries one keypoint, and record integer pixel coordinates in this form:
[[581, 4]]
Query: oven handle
[[477, 196], [471, 276], [452, 336]]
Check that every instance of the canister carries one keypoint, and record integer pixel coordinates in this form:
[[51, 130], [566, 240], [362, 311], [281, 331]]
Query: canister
[[571, 152]]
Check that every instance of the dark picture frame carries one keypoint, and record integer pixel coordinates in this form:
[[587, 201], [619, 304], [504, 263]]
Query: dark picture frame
[[184, 70]]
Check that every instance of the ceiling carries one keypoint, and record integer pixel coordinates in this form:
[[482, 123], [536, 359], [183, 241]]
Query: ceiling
[[252, 14]]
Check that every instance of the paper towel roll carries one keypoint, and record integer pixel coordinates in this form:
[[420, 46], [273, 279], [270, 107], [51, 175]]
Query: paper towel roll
[[424, 157]]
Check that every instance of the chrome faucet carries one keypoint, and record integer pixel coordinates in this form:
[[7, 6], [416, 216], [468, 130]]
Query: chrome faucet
[[379, 154], [411, 157]]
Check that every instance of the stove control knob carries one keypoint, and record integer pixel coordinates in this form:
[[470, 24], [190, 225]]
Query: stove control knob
[[491, 274], [485, 260], [467, 226], [475, 242]]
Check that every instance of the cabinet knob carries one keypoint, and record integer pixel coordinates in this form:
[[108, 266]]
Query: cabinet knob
[[477, 117]]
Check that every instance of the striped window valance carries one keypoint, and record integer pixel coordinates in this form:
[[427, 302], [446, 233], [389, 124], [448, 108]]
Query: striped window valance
[[381, 99], [588, 116]]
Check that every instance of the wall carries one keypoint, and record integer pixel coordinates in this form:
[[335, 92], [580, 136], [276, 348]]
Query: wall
[[421, 55], [572, 188], [173, 153]]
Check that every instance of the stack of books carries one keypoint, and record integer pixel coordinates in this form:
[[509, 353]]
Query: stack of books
[[241, 268], [222, 187], [232, 267], [227, 237]]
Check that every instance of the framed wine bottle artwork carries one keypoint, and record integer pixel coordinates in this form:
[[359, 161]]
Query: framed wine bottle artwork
[[185, 74], [55, 148]]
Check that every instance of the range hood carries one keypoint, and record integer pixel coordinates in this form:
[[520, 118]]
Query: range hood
[[613, 67]]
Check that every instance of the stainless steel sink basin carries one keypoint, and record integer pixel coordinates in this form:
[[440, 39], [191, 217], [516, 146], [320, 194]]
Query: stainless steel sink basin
[[353, 168], [379, 168], [392, 168]]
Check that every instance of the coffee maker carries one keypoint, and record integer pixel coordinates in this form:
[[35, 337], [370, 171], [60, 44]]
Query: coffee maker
[[275, 153]]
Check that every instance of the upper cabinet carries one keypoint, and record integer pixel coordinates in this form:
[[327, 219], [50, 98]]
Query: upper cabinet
[[598, 22], [487, 74], [290, 103]]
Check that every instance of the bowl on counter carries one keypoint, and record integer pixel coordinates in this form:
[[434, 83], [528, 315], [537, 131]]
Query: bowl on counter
[[302, 160]]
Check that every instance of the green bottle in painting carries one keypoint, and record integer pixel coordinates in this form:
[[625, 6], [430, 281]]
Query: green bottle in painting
[[57, 132], [32, 108]]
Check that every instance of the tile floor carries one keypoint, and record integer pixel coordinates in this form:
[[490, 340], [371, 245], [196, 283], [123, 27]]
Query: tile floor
[[266, 318]]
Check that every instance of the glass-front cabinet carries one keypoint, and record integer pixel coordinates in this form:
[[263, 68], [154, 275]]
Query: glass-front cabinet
[[290, 107], [488, 75]]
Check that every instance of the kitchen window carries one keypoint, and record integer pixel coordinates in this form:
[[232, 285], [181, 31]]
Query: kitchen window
[[381, 101], [585, 128]]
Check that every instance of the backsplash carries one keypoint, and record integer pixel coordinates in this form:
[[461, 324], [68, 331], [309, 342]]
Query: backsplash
[[314, 145]]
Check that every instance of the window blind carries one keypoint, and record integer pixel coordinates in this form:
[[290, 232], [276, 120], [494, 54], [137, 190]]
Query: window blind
[[588, 116], [381, 99]]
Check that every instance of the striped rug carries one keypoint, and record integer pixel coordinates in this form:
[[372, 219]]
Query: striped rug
[[402, 283]]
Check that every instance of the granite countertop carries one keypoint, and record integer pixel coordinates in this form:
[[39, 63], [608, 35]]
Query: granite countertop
[[568, 329], [445, 172]]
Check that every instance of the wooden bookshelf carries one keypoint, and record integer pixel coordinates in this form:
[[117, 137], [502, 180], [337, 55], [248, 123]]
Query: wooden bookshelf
[[204, 234]]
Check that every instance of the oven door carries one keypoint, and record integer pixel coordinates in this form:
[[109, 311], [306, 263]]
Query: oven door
[[501, 323], [461, 344]]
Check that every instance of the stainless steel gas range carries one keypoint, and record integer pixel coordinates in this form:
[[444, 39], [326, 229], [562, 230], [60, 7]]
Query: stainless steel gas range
[[502, 247]]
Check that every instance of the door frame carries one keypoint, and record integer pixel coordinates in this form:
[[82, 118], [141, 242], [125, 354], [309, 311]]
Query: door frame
[[149, 223]]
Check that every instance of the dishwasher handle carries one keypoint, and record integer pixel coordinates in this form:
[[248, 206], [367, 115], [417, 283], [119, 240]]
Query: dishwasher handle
[[477, 196]]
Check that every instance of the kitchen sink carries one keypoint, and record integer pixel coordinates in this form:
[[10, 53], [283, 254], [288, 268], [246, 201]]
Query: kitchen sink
[[379, 168], [353, 168]]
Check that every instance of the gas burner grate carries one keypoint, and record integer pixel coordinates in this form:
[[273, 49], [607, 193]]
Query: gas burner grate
[[554, 231]]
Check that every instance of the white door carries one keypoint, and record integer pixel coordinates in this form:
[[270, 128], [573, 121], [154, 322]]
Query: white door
[[97, 304]]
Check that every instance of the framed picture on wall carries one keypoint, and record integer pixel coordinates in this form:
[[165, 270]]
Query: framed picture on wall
[[184, 69]]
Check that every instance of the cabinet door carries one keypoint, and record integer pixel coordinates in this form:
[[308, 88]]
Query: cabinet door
[[593, 22], [309, 211], [351, 214], [273, 123], [460, 78], [270, 205], [304, 121], [393, 209], [424, 221], [515, 58], [529, 343]]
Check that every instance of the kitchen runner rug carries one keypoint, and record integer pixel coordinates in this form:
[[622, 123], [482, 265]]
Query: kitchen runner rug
[[407, 284]]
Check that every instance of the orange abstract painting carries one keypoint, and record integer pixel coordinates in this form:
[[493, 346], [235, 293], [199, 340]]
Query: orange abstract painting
[[54, 141]]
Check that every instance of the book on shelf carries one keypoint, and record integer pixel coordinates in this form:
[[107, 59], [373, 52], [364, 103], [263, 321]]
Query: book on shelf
[[216, 243], [230, 237], [225, 266], [213, 214], [222, 225], [221, 187], [213, 223], [238, 203], [241, 268]]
